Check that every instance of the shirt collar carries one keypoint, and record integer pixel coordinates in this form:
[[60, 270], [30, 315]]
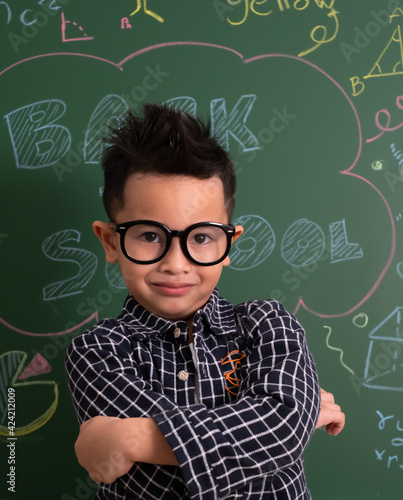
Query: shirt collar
[[216, 316]]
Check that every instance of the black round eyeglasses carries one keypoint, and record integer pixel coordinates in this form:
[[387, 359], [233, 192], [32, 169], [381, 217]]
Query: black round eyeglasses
[[148, 241]]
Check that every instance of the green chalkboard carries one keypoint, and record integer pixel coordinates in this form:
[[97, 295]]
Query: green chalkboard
[[307, 97]]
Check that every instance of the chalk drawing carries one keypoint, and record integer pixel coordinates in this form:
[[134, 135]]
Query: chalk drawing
[[224, 124], [337, 349], [81, 38], [399, 269], [9, 15], [58, 54], [286, 4], [320, 35], [125, 24], [250, 5], [51, 7], [347, 171], [396, 13], [379, 165], [360, 320], [381, 424], [114, 276], [107, 112], [94, 317], [55, 249], [174, 44], [183, 103], [397, 154], [11, 365], [392, 424], [395, 42], [23, 18], [389, 63], [303, 243], [391, 244], [256, 244], [36, 140], [384, 363], [147, 11], [38, 366], [386, 128], [340, 248]]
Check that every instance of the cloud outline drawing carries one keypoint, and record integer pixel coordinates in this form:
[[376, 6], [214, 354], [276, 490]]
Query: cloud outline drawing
[[347, 171]]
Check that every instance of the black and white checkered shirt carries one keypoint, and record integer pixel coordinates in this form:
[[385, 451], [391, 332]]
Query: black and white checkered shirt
[[237, 407]]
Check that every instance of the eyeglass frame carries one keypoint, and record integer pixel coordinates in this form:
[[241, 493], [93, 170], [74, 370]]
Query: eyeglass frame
[[121, 229]]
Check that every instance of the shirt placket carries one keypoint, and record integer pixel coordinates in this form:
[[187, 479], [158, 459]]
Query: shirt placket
[[186, 375]]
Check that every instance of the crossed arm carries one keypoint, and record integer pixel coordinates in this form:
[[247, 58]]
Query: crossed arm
[[107, 447], [278, 401]]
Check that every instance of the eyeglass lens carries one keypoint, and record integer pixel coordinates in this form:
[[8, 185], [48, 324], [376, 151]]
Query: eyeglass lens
[[146, 242]]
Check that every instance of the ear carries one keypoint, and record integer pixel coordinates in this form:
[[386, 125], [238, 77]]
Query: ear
[[107, 236], [238, 232]]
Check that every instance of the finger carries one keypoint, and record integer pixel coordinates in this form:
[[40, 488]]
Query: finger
[[337, 425], [331, 407], [84, 425], [334, 429], [95, 477], [326, 396], [330, 415]]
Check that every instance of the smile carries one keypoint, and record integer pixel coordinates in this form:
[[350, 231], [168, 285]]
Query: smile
[[173, 289]]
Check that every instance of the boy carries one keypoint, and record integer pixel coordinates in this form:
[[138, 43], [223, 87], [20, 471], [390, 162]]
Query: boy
[[184, 396]]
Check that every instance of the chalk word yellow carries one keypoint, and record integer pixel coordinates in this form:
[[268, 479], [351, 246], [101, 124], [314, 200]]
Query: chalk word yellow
[[319, 34]]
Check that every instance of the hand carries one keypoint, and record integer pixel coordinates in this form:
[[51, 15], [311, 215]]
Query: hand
[[101, 448], [330, 414]]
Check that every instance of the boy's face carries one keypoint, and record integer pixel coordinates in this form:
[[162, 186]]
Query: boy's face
[[173, 288]]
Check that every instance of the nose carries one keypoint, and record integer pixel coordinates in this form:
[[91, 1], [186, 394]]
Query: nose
[[175, 261]]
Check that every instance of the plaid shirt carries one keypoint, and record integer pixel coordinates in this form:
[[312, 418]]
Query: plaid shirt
[[238, 422]]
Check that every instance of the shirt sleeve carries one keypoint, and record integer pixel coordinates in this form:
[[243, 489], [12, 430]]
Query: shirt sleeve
[[105, 380], [266, 429]]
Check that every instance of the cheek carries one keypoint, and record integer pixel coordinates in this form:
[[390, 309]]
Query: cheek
[[132, 274], [211, 275]]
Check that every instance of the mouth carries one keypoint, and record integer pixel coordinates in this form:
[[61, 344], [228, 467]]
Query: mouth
[[172, 289]]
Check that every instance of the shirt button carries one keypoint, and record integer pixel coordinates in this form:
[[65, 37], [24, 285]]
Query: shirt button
[[177, 333], [183, 375]]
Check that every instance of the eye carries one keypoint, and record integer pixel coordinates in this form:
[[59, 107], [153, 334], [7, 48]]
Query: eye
[[201, 238], [151, 237]]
